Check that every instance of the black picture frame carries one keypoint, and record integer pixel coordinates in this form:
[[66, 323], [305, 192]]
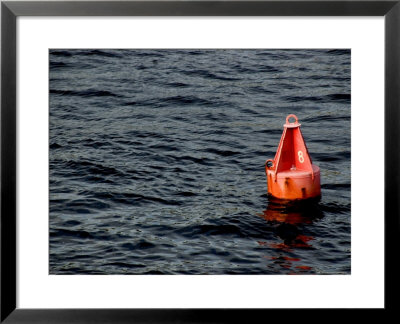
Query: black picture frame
[[10, 10]]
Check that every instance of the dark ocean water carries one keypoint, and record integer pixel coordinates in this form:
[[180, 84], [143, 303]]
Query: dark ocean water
[[157, 161]]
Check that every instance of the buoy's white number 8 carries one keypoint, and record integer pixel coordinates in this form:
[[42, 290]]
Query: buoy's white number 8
[[301, 157]]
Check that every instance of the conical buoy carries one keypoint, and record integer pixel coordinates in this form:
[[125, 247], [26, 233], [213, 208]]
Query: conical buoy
[[291, 174]]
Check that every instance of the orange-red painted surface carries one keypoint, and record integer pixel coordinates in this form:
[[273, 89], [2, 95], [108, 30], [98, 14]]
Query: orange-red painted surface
[[291, 174]]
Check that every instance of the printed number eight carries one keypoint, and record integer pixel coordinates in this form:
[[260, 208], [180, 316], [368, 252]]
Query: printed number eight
[[301, 157]]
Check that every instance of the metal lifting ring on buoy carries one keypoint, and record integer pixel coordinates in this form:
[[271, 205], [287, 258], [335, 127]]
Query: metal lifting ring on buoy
[[269, 163], [290, 116], [295, 124]]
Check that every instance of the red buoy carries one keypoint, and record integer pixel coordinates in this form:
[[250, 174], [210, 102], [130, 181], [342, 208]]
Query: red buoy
[[291, 174]]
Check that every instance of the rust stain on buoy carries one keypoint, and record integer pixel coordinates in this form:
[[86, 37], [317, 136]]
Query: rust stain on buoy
[[291, 174]]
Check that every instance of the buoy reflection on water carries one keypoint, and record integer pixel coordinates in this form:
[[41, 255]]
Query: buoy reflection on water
[[290, 220], [292, 212]]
